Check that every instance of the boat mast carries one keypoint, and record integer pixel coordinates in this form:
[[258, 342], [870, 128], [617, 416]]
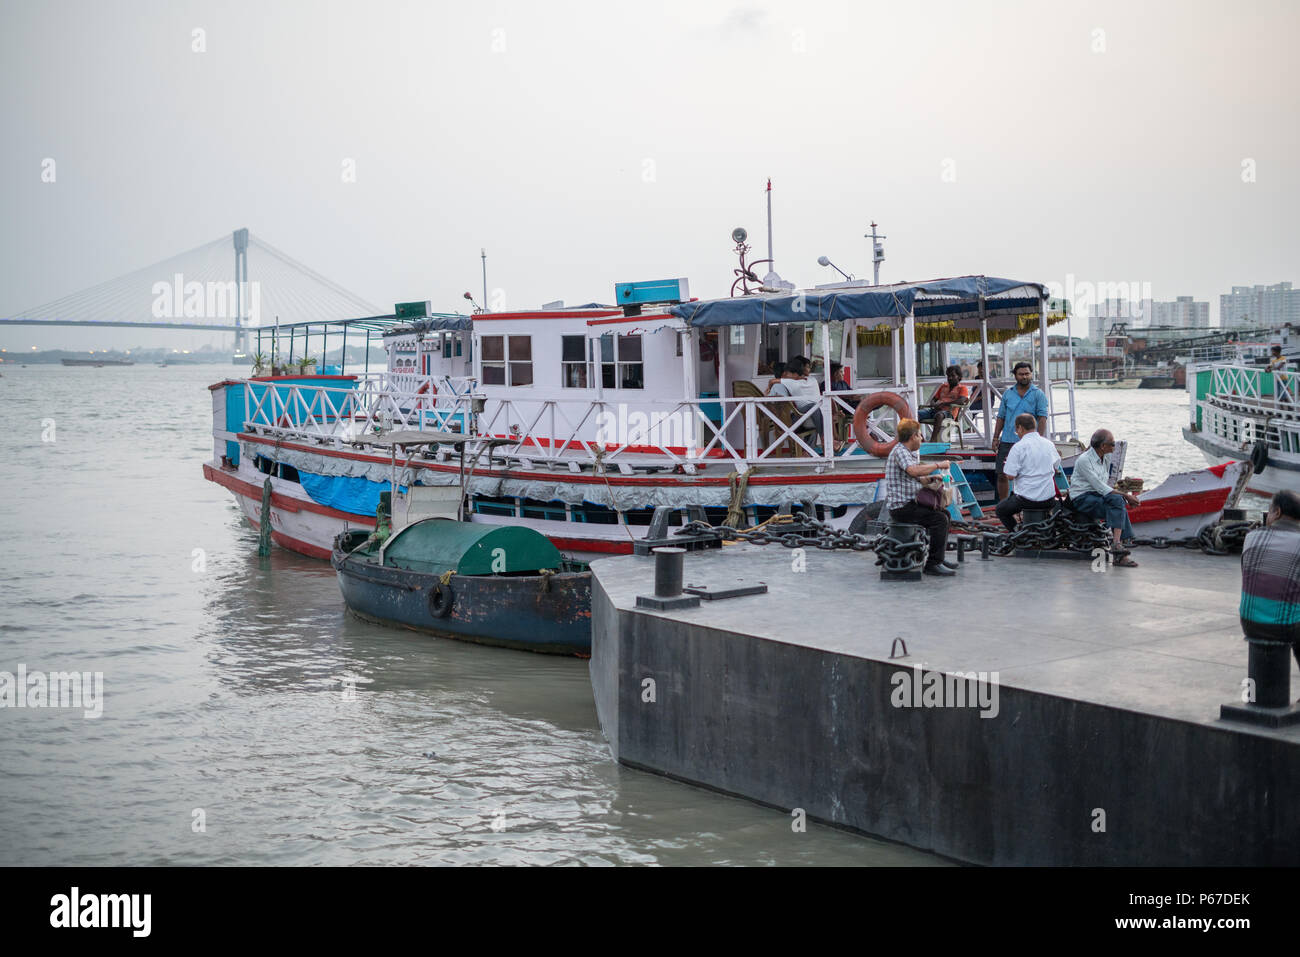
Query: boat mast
[[877, 253], [771, 261]]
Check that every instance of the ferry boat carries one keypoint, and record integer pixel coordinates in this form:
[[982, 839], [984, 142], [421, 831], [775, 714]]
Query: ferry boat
[[608, 412], [1241, 411]]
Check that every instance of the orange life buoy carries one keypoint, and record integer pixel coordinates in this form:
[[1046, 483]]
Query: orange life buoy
[[868, 405]]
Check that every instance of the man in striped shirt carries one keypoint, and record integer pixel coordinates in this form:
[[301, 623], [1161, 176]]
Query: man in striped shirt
[[903, 468], [1270, 575]]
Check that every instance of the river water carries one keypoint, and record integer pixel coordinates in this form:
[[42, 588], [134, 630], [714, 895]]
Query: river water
[[230, 733]]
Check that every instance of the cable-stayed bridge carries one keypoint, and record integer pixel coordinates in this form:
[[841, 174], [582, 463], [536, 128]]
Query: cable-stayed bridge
[[209, 288]]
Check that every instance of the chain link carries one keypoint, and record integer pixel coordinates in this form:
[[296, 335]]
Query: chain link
[[1061, 530], [805, 532]]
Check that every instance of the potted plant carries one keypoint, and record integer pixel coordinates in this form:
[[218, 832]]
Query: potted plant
[[259, 364], [306, 364]]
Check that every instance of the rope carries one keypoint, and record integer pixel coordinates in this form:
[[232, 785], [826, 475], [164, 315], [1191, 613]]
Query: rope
[[739, 482]]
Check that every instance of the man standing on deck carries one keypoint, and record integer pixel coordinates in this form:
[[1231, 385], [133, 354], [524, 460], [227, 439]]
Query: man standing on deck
[[1032, 465], [1025, 397], [1270, 575], [1091, 493]]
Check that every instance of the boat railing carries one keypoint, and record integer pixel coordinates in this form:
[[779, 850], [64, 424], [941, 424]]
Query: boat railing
[[1059, 413], [743, 431]]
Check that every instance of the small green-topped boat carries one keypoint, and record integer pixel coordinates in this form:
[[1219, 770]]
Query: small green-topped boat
[[494, 584]]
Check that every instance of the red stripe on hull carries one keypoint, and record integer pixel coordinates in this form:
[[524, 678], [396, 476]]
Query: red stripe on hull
[[602, 545], [1180, 506], [283, 502], [295, 544]]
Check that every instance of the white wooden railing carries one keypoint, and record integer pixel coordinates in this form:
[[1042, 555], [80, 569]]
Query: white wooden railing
[[750, 430]]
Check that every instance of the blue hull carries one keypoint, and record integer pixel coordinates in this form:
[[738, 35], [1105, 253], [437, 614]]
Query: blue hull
[[544, 613]]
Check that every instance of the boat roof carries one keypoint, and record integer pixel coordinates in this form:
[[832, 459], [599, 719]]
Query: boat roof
[[940, 299]]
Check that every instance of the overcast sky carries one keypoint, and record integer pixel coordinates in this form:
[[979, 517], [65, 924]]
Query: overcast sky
[[588, 143]]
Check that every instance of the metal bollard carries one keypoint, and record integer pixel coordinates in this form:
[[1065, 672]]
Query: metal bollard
[[669, 564], [961, 549], [984, 549], [1269, 668]]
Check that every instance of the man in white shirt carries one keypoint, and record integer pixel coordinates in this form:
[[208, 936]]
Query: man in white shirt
[[1031, 464], [803, 390]]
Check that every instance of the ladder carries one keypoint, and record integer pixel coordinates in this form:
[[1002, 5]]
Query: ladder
[[963, 499]]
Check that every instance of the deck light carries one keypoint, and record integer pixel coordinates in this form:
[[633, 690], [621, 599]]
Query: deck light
[[823, 261]]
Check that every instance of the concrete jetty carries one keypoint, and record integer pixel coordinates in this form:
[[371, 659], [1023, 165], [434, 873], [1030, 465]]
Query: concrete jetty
[[1084, 727]]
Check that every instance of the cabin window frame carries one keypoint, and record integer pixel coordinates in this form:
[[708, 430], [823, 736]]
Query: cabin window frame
[[616, 369], [583, 365], [512, 369]]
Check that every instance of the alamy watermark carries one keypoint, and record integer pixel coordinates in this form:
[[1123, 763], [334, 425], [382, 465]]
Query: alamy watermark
[[179, 299], [1083, 295], [57, 689], [664, 430], [918, 688]]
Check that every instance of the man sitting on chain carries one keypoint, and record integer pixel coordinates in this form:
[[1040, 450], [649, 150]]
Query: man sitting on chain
[[1031, 464], [1091, 494]]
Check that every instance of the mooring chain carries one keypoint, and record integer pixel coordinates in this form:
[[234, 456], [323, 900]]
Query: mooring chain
[[806, 532], [1060, 531], [1221, 538]]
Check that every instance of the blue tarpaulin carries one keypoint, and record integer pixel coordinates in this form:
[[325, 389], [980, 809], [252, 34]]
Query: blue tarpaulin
[[893, 302], [356, 495]]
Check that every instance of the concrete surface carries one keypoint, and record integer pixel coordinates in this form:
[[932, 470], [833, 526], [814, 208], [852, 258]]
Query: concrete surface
[[1106, 746]]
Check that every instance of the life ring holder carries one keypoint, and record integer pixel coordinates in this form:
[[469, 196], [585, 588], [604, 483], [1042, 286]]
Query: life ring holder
[[861, 417]]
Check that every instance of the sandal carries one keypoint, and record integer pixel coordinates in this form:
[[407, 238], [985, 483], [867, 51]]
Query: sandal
[[1123, 561]]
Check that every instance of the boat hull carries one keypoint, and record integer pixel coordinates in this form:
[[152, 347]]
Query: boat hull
[[543, 613], [1281, 472]]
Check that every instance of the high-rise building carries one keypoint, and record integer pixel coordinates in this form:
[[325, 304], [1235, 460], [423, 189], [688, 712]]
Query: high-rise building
[[1260, 306], [1183, 312], [1105, 314]]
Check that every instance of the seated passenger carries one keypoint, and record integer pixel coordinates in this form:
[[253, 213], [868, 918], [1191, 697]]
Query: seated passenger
[[946, 403], [1032, 464], [778, 370], [1092, 495], [902, 470], [803, 390]]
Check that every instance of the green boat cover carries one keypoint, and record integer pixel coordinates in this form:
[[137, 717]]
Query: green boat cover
[[438, 545]]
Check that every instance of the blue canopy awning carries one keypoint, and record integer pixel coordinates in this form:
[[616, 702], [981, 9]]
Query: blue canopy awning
[[935, 297]]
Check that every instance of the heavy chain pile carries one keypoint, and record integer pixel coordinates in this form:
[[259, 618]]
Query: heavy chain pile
[[1061, 530], [800, 531]]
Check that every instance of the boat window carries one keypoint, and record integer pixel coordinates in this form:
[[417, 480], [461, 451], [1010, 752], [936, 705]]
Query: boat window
[[517, 370], [573, 362], [521, 360], [621, 364], [494, 356]]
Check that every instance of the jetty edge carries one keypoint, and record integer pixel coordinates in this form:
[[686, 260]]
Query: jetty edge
[[1089, 734]]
